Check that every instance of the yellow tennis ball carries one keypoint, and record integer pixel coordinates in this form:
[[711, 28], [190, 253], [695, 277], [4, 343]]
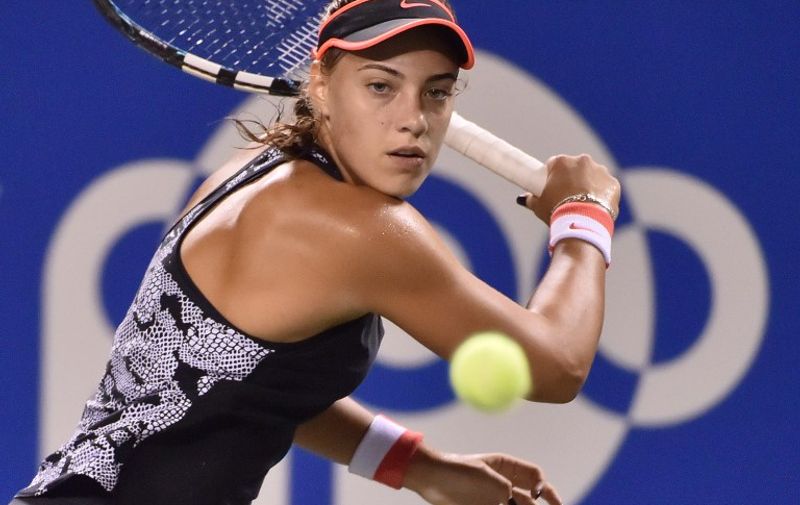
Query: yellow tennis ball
[[490, 371]]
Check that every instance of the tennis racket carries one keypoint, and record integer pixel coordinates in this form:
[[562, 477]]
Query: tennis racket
[[264, 46]]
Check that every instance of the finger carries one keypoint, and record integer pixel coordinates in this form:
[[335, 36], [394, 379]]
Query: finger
[[538, 490], [522, 497], [503, 485], [521, 473], [549, 494], [540, 207]]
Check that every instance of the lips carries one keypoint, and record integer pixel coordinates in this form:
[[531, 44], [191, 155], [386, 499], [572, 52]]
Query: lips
[[408, 152]]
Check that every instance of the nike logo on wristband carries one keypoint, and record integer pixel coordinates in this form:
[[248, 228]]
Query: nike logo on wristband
[[574, 226], [407, 5]]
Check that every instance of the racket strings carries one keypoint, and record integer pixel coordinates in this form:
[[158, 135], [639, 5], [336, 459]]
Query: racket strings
[[268, 37]]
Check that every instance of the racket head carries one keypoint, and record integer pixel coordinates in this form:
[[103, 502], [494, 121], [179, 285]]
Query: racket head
[[265, 46], [261, 46]]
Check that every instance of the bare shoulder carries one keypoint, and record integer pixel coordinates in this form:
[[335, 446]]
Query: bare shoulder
[[312, 249], [337, 251], [345, 211], [372, 222], [359, 233]]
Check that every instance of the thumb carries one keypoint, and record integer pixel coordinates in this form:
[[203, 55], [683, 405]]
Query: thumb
[[524, 199], [537, 205]]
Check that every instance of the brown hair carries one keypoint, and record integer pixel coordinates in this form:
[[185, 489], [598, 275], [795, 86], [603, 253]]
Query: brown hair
[[294, 138], [291, 138]]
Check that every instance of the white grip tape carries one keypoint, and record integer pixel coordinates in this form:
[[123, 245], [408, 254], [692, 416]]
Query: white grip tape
[[495, 154]]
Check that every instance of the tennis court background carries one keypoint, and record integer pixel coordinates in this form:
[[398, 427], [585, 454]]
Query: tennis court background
[[708, 93]]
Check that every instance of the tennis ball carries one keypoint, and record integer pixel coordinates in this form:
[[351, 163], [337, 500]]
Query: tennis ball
[[490, 371]]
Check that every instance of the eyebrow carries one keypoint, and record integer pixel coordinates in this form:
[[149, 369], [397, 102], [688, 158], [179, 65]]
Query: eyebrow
[[396, 73]]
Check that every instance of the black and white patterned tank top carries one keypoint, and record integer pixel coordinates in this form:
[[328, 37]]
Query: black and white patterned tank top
[[191, 409]]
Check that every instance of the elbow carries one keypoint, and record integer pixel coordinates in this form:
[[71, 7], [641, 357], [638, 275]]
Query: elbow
[[575, 372], [567, 388], [571, 384], [563, 384]]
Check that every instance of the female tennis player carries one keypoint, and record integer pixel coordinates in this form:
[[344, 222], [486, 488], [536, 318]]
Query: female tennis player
[[259, 313]]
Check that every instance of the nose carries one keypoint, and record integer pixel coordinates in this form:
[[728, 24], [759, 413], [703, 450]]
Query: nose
[[411, 115]]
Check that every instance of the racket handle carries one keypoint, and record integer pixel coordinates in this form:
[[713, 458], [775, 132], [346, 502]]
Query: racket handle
[[495, 154]]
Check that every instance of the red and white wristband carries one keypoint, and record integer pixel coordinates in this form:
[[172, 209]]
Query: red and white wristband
[[585, 221], [385, 452]]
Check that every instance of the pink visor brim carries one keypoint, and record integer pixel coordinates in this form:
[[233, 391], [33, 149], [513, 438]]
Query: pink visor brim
[[370, 40]]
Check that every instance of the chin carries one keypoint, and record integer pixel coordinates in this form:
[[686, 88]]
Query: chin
[[407, 188]]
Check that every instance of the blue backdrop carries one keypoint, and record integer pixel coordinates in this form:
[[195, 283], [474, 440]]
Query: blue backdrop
[[696, 85]]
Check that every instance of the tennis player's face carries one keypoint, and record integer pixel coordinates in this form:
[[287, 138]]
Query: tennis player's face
[[385, 111]]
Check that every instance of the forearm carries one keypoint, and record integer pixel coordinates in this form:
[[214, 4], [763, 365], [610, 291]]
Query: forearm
[[571, 299], [335, 433]]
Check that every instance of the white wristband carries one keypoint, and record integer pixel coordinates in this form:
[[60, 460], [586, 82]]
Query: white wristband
[[584, 221], [380, 437], [384, 452]]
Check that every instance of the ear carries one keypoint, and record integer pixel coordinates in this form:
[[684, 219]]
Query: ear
[[318, 89]]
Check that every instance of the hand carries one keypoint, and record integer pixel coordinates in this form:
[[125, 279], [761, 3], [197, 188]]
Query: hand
[[477, 479], [573, 175]]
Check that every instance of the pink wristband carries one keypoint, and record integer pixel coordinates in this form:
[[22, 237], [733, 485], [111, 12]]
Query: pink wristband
[[584, 221], [385, 452]]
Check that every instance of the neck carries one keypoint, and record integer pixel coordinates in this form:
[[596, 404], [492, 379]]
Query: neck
[[324, 141]]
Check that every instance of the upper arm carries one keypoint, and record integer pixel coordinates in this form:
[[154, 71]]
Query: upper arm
[[408, 275]]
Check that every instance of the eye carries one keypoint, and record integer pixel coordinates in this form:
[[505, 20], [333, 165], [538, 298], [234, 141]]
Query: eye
[[380, 88], [439, 94]]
